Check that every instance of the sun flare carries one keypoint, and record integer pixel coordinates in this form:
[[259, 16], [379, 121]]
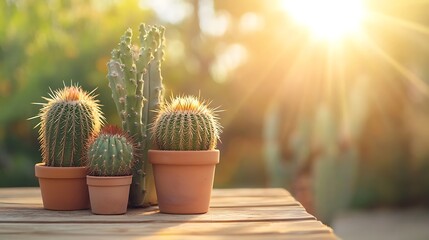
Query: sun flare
[[327, 19]]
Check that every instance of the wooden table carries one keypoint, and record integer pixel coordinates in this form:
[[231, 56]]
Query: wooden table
[[234, 214]]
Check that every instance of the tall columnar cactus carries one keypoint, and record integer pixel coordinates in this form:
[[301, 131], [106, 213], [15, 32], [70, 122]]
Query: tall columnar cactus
[[135, 79], [331, 166], [111, 153], [184, 124], [69, 118]]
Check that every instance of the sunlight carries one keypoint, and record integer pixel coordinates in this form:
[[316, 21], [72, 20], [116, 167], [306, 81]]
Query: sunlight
[[409, 75], [329, 19]]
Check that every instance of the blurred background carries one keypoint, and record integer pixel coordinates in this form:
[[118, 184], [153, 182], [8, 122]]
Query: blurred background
[[328, 99]]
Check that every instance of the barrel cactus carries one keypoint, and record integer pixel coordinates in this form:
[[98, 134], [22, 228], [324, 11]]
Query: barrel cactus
[[67, 120], [111, 153], [186, 124]]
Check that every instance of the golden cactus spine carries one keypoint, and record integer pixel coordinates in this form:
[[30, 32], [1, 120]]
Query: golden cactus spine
[[67, 120], [186, 123]]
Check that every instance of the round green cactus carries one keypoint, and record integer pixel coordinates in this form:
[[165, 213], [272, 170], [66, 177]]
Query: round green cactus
[[69, 118], [111, 153], [184, 124]]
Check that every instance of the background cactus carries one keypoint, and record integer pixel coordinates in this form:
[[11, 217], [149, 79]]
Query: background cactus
[[111, 153], [186, 124], [68, 119], [135, 79], [321, 164]]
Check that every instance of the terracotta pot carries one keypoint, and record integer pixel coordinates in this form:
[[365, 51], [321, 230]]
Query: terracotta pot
[[63, 188], [184, 179], [109, 195]]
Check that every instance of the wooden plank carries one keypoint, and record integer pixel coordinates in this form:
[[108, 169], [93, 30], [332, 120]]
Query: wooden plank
[[169, 230], [230, 192], [20, 205], [281, 213], [36, 202], [318, 236], [18, 192], [31, 198], [242, 213], [250, 192], [253, 201]]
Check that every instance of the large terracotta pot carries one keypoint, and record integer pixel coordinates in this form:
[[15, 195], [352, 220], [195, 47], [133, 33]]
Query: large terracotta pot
[[63, 188], [184, 179], [109, 195]]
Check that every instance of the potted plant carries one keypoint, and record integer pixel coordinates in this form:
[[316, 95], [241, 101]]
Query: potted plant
[[110, 162], [67, 120], [134, 75], [186, 133]]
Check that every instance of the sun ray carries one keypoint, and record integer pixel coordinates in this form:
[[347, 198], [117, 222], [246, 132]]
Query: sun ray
[[276, 54], [379, 17], [329, 72], [415, 80], [302, 82], [342, 89]]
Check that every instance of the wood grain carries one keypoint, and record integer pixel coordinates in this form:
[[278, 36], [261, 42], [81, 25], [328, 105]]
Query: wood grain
[[168, 230], [234, 213]]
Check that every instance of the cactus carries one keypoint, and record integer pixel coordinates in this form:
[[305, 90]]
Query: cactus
[[333, 168], [186, 124], [111, 153], [135, 79], [69, 118], [280, 171]]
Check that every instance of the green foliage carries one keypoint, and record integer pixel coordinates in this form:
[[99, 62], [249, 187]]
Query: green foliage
[[184, 124], [20, 173], [134, 75], [111, 153], [41, 46], [67, 120]]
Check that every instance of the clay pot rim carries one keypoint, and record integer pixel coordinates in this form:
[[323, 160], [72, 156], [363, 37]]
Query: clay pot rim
[[43, 171], [108, 181], [164, 157]]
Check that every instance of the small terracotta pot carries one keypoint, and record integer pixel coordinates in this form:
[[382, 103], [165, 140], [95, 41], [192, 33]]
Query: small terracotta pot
[[184, 179], [63, 188], [109, 195]]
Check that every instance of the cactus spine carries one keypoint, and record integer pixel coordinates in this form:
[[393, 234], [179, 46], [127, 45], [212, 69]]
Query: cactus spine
[[135, 80], [186, 124], [68, 119], [111, 153]]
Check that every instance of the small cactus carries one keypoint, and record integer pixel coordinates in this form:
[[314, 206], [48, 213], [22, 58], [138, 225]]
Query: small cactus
[[186, 124], [111, 153], [69, 118]]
